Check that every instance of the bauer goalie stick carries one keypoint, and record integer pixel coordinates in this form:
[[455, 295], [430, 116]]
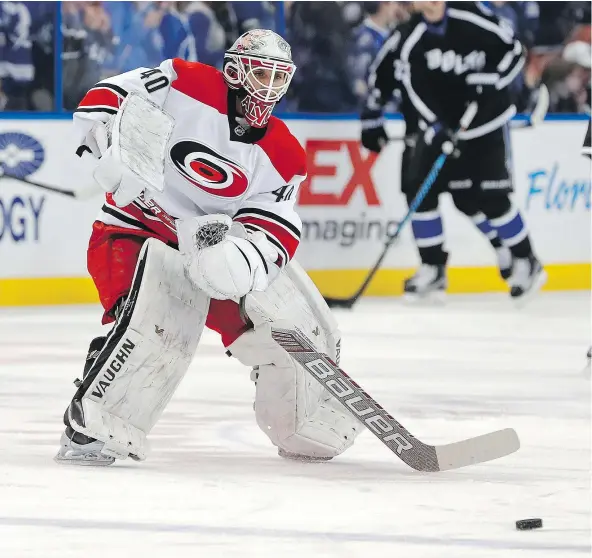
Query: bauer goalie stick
[[413, 452], [465, 121]]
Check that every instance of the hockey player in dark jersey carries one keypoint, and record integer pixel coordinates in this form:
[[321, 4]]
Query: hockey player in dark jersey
[[446, 56]]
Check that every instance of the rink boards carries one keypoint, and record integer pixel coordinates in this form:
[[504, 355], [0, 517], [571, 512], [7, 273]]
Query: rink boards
[[349, 203]]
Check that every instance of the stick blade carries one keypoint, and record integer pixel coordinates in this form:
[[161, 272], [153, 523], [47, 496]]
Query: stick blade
[[339, 302], [480, 449]]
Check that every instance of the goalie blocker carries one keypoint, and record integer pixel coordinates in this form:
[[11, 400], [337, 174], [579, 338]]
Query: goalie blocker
[[152, 344]]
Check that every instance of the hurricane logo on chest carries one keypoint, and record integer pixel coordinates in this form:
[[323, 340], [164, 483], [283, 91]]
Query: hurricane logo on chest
[[209, 171]]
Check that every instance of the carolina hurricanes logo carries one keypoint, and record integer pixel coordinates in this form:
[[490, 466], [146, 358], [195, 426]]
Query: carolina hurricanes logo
[[208, 170]]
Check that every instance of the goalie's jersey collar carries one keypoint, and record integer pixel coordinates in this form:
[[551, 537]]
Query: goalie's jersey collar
[[239, 130]]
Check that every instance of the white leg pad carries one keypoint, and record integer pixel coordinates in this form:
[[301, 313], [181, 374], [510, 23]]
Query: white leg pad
[[145, 357], [291, 407]]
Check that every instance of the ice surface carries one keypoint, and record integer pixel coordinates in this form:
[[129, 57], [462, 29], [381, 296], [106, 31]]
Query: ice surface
[[213, 485]]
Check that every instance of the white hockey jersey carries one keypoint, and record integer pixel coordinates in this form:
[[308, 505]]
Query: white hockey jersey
[[214, 164]]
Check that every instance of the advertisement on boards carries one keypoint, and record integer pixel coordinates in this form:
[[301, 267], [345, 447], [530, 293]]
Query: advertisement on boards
[[42, 234], [352, 200], [349, 204]]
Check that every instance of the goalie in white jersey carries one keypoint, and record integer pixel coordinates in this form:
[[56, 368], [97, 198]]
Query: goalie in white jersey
[[227, 162]]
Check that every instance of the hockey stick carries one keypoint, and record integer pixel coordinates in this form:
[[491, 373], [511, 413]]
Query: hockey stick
[[76, 194], [415, 453], [419, 197]]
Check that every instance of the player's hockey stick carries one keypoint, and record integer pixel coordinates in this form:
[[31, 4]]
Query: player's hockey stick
[[465, 121], [75, 194], [415, 453]]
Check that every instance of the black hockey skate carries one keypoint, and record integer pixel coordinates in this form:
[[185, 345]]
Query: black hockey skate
[[76, 448], [528, 277], [429, 281], [85, 451]]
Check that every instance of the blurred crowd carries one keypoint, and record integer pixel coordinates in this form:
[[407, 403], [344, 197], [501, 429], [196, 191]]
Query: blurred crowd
[[333, 44], [107, 38], [27, 40]]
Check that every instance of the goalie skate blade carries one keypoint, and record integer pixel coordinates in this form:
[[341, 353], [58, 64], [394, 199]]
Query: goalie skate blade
[[480, 449]]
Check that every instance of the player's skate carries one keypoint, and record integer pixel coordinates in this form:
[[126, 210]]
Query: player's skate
[[73, 453], [429, 282], [505, 262], [528, 277], [300, 457], [76, 448]]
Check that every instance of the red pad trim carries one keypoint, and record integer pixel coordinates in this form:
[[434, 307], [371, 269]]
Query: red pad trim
[[159, 229]]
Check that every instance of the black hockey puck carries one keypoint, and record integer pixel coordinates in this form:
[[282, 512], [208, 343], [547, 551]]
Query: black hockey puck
[[527, 524]]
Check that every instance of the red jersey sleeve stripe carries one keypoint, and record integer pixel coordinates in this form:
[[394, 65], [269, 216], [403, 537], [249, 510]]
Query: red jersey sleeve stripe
[[283, 255], [288, 242], [268, 216], [101, 97]]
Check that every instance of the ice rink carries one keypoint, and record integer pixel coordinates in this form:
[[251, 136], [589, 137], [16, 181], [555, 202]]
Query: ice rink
[[213, 485]]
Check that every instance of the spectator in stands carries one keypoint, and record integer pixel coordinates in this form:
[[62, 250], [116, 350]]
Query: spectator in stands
[[99, 41], [140, 38], [210, 39], [178, 41], [73, 56], [121, 15], [367, 39], [253, 15], [89, 45], [319, 36], [556, 21], [43, 16], [17, 71], [568, 79], [522, 17]]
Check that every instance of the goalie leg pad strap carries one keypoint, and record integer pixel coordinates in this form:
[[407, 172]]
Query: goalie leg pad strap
[[145, 357], [293, 297], [291, 407]]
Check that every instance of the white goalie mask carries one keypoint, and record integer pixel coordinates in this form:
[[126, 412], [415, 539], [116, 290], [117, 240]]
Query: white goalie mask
[[260, 64]]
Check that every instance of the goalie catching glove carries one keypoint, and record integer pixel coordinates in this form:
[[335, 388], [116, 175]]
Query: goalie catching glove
[[223, 259]]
